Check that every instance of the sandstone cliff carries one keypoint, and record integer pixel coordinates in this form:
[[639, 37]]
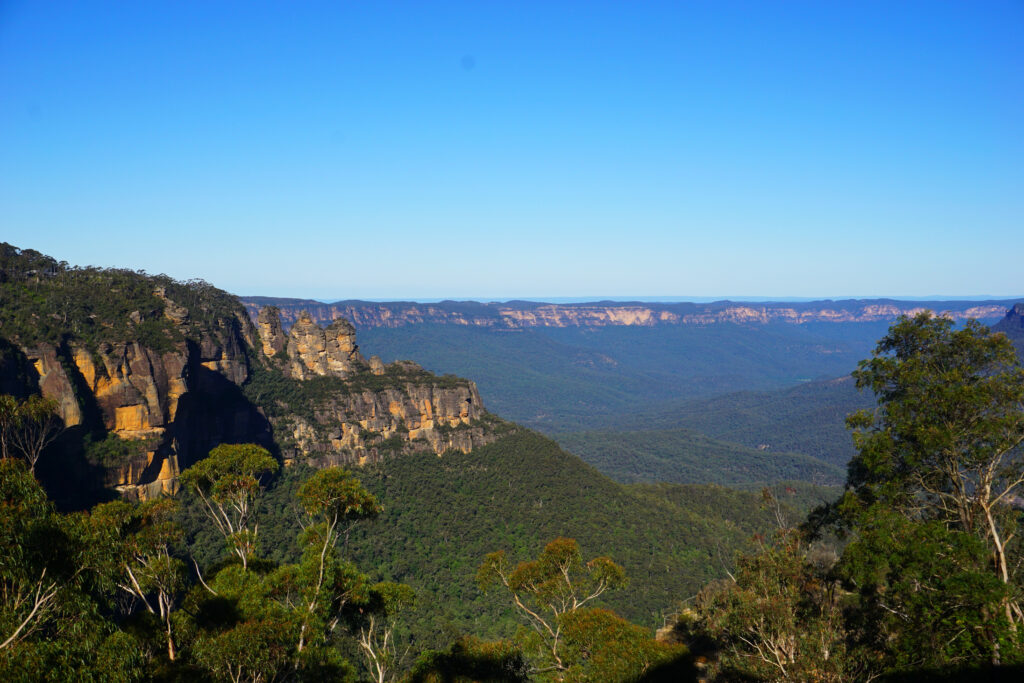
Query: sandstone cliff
[[176, 404], [515, 315], [359, 410], [149, 374]]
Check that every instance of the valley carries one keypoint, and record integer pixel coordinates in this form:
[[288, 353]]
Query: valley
[[676, 446]]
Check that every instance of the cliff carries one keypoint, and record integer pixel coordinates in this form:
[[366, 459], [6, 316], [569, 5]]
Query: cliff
[[149, 374], [1012, 325], [519, 314], [172, 397], [329, 405]]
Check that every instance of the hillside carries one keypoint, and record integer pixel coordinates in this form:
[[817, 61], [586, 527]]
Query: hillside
[[1012, 325], [809, 418], [442, 515], [686, 457], [569, 379], [572, 367]]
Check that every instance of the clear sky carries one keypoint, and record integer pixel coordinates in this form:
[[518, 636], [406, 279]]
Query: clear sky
[[521, 149]]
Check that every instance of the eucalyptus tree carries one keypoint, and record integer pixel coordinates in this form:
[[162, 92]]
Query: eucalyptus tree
[[945, 442], [228, 482]]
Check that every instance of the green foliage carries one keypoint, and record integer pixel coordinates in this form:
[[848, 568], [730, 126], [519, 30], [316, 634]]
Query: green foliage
[[57, 590], [471, 660], [809, 418], [591, 376], [944, 451], [927, 596], [442, 515], [48, 301], [567, 640], [228, 483], [113, 451], [930, 578], [685, 457], [599, 645], [333, 495], [27, 427], [949, 401], [779, 619]]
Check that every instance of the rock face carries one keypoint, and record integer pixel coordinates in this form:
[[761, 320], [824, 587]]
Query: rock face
[[361, 427], [518, 314], [176, 404], [313, 351], [405, 409], [271, 335], [189, 388]]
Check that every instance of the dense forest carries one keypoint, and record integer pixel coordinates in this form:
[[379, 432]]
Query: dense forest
[[515, 561], [685, 457], [592, 377]]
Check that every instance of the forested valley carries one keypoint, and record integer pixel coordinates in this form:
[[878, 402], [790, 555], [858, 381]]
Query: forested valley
[[235, 519]]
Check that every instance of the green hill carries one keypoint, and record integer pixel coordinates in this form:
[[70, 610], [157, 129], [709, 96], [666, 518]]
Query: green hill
[[570, 379], [687, 457], [443, 514], [808, 418]]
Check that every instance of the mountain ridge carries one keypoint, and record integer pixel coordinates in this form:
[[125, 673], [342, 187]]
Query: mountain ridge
[[528, 314]]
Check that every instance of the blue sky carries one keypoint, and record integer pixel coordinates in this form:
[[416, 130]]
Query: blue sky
[[521, 149]]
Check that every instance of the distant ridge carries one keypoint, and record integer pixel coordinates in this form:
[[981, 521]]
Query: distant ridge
[[525, 314]]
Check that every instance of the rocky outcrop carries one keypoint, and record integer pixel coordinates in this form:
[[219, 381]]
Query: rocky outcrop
[[313, 351], [272, 337], [375, 408], [517, 315], [363, 426], [174, 404], [138, 412]]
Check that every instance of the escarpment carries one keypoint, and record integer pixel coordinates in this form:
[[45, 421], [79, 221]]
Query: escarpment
[[512, 315], [170, 404], [329, 405], [149, 374]]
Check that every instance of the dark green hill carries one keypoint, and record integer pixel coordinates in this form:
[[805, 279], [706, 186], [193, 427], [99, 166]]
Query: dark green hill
[[568, 379], [687, 457], [1013, 327], [808, 418], [442, 515]]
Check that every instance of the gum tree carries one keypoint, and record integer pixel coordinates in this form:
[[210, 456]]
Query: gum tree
[[227, 481], [945, 442], [546, 590]]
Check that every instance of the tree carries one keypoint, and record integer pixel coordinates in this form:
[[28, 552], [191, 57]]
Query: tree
[[926, 596], [544, 591], [228, 483], [470, 660], [375, 627], [28, 427], [54, 592], [945, 442], [30, 595], [777, 618], [149, 568], [325, 583]]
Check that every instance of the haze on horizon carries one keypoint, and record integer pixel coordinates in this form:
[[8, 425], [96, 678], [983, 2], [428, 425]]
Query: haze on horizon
[[491, 151]]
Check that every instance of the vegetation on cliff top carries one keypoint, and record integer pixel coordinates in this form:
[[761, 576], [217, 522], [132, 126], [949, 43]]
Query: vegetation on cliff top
[[45, 300]]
